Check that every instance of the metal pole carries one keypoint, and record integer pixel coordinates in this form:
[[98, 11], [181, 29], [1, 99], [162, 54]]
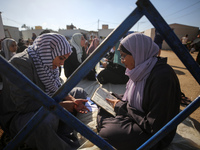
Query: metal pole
[[170, 37], [171, 125]]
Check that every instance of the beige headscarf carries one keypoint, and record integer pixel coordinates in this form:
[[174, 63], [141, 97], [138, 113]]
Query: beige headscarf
[[5, 44], [76, 43]]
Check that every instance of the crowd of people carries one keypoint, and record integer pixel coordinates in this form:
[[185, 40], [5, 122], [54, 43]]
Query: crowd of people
[[152, 96]]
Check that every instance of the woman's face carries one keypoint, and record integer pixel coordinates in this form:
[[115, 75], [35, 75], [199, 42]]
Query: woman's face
[[13, 47], [59, 60], [127, 60], [82, 41]]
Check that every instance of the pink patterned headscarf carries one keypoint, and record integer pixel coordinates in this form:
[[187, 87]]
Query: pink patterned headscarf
[[144, 52], [93, 45]]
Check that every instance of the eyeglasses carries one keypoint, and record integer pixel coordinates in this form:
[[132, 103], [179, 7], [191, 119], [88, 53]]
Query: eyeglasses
[[123, 57], [13, 45]]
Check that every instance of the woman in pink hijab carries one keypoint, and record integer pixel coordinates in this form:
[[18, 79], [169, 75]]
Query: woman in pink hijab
[[151, 99], [93, 45]]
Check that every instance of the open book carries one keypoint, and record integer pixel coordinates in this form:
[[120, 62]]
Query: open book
[[99, 97]]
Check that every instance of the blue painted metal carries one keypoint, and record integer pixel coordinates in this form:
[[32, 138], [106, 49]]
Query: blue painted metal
[[144, 7], [171, 125], [17, 78], [170, 37]]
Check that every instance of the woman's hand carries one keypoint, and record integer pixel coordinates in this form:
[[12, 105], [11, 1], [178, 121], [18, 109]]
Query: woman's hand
[[80, 106], [113, 102], [77, 104], [69, 98], [69, 105], [104, 64]]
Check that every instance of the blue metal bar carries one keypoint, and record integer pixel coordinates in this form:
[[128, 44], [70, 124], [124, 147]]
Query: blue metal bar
[[17, 78], [171, 125], [170, 37], [144, 6]]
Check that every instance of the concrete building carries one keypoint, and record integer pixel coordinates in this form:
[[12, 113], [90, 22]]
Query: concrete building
[[180, 31], [2, 34], [12, 32], [104, 32], [68, 33], [27, 34]]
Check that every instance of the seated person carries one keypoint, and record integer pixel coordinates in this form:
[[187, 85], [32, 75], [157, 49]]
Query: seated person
[[77, 57], [114, 71], [21, 46], [151, 99], [40, 62], [8, 48], [93, 46]]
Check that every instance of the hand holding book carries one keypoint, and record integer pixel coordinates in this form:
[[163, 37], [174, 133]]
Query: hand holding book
[[112, 102], [105, 100]]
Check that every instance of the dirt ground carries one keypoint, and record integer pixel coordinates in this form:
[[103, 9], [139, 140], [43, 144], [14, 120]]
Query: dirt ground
[[189, 86]]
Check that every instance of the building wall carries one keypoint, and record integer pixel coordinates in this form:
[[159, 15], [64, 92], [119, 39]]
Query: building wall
[[179, 30], [2, 34], [27, 34], [12, 32], [68, 33], [149, 32], [104, 32], [182, 30]]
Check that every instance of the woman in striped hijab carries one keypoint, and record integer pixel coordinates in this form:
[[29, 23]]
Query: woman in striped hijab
[[40, 62], [46, 49]]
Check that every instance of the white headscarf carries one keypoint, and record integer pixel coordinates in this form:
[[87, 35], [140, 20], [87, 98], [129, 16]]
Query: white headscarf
[[5, 44], [76, 43], [43, 51], [144, 52]]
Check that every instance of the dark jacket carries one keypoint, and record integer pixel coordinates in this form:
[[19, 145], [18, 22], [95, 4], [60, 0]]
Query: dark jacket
[[14, 100], [72, 63]]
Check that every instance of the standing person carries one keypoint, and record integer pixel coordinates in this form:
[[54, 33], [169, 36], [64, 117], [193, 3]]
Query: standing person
[[40, 62], [86, 46], [158, 39], [33, 36], [8, 48], [151, 99], [184, 40], [77, 57]]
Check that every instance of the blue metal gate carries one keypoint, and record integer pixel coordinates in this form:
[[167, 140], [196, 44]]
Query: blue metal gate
[[144, 7]]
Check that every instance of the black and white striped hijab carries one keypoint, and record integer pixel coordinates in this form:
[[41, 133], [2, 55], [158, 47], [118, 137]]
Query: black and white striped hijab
[[43, 51]]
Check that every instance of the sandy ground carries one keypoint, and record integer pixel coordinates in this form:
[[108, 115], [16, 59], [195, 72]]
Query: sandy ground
[[189, 86]]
